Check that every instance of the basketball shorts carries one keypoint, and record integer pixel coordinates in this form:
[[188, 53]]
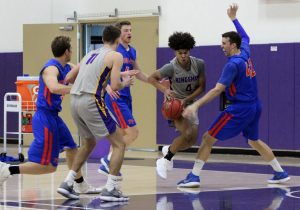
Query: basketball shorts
[[235, 119], [121, 108], [51, 135], [92, 118]]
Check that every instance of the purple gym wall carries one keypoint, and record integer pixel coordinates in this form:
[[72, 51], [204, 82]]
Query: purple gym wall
[[277, 78], [11, 66]]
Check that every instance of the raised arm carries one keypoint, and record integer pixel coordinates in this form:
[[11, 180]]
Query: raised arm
[[231, 12]]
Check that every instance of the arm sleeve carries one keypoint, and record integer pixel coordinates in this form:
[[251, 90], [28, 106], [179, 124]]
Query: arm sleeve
[[228, 75], [166, 71], [241, 31]]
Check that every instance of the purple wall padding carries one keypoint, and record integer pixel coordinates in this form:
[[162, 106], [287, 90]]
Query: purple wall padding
[[11, 66], [297, 97], [259, 56], [101, 149], [275, 76], [281, 97]]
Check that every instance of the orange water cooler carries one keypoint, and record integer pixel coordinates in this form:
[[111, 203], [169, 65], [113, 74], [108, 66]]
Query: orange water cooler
[[28, 87]]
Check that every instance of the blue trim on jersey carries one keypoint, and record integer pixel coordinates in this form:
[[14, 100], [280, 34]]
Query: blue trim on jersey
[[46, 99]]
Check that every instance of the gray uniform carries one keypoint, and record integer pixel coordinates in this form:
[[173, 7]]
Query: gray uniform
[[184, 82], [87, 103]]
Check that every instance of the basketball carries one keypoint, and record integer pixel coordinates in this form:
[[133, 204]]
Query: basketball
[[172, 109]]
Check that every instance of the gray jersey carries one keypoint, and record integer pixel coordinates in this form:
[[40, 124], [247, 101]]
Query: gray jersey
[[93, 74], [184, 82]]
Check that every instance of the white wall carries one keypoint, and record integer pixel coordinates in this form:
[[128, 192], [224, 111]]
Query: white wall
[[15, 13], [266, 21]]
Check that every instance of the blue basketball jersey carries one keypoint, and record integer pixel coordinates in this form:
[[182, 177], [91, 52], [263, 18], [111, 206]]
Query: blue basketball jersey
[[46, 99], [129, 57], [239, 77]]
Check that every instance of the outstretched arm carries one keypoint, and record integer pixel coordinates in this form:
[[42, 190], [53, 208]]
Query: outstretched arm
[[231, 12]]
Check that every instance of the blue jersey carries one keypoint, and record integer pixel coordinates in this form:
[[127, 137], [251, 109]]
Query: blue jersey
[[238, 75], [129, 57], [46, 99]]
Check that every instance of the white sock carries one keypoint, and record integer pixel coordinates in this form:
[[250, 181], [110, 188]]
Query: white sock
[[71, 177], [113, 182], [109, 155], [275, 165], [198, 165]]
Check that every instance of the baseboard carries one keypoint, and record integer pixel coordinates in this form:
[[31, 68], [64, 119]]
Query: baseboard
[[242, 151], [11, 141]]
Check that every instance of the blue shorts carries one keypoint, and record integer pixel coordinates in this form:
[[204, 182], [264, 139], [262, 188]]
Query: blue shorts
[[51, 135], [235, 119], [121, 108]]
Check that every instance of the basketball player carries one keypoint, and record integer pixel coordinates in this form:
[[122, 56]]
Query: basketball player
[[91, 116], [238, 80], [51, 134], [120, 102], [187, 79]]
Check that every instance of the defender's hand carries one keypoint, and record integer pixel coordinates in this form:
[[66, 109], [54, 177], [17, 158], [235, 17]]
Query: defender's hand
[[128, 81], [190, 111], [231, 11], [130, 73], [169, 94], [111, 93]]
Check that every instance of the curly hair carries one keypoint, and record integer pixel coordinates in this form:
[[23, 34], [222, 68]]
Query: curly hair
[[180, 40]]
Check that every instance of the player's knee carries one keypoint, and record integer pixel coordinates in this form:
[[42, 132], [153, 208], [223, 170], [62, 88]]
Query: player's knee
[[118, 145], [190, 137], [207, 140], [89, 144], [133, 133]]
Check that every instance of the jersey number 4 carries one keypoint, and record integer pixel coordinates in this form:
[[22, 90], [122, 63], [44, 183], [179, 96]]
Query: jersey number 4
[[250, 72], [189, 87]]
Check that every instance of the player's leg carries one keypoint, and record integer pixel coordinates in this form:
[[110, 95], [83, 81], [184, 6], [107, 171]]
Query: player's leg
[[226, 126], [43, 152], [130, 134], [68, 145], [188, 136], [111, 191], [121, 110], [251, 132], [82, 113], [66, 188]]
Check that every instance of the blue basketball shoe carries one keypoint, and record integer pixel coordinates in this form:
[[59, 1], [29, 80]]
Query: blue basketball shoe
[[191, 180], [279, 177], [104, 168]]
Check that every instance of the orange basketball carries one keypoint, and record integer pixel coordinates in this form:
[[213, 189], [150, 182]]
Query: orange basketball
[[172, 109]]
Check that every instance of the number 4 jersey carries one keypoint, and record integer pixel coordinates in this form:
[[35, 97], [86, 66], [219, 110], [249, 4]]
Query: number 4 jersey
[[183, 82]]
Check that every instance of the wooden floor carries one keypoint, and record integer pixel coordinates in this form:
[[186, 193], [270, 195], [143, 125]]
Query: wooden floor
[[228, 173]]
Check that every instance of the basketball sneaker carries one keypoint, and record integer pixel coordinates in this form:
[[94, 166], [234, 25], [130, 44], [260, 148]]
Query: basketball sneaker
[[279, 177], [4, 172], [164, 151], [85, 188], [162, 166], [113, 195], [104, 168], [191, 180], [66, 190]]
